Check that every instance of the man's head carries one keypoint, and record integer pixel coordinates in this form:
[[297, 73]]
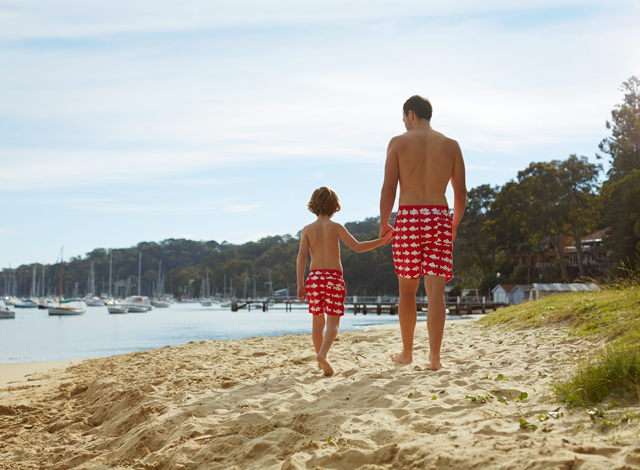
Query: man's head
[[324, 201], [418, 106]]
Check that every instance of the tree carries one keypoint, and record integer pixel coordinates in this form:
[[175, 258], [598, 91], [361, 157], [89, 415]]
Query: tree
[[624, 144], [475, 244], [623, 216], [579, 180]]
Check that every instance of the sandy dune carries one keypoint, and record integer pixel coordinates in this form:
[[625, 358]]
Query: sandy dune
[[262, 403]]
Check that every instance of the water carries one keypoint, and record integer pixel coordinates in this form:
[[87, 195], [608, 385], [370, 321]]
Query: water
[[35, 336]]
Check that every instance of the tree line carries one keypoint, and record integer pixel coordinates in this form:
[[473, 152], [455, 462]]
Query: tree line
[[552, 201], [546, 203]]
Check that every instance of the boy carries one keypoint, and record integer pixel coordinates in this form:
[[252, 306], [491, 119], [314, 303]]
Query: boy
[[325, 288]]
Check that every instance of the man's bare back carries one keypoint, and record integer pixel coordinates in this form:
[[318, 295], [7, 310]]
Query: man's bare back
[[423, 162]]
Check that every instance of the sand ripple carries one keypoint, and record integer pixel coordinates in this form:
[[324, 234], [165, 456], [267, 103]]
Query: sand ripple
[[262, 403]]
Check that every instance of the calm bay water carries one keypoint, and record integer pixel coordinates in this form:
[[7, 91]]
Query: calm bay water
[[35, 336]]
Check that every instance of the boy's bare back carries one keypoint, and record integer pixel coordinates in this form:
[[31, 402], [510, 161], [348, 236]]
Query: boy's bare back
[[323, 238]]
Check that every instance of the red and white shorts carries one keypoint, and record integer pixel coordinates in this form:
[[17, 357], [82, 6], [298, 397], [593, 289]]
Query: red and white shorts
[[423, 242], [325, 292]]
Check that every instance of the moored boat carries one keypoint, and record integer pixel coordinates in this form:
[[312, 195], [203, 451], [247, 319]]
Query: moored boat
[[137, 303], [68, 307], [5, 313], [26, 303], [118, 308], [71, 306]]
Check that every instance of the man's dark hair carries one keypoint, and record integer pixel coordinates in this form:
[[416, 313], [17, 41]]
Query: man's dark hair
[[420, 107]]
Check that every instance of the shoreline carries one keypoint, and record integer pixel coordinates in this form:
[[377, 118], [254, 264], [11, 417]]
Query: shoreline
[[30, 367]]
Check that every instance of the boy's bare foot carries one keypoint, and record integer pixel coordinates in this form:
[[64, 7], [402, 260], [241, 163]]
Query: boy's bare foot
[[324, 365], [400, 358], [435, 364]]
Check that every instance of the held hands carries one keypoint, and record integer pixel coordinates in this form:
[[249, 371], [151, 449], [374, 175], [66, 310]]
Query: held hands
[[386, 232], [302, 293]]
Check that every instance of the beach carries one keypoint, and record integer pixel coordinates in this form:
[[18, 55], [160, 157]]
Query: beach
[[262, 403]]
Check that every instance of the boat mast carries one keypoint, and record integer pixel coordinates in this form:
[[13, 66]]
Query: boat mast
[[110, 262], [61, 267], [139, 272]]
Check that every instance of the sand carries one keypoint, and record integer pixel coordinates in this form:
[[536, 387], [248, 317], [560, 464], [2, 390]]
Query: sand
[[262, 403]]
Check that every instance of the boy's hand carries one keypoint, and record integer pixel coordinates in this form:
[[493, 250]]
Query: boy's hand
[[302, 293], [384, 231]]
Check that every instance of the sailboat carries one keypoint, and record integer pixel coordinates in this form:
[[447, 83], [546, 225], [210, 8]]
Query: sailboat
[[28, 302], [205, 296], [71, 306], [5, 312], [90, 298], [158, 301]]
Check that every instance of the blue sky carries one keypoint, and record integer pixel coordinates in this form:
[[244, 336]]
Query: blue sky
[[123, 122]]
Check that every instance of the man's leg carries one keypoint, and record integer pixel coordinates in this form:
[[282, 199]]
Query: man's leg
[[407, 316], [436, 313]]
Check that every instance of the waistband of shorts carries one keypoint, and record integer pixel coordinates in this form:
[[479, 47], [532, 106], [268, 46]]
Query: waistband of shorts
[[326, 271], [423, 207]]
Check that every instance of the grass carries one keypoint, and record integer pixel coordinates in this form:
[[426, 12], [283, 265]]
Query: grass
[[611, 315]]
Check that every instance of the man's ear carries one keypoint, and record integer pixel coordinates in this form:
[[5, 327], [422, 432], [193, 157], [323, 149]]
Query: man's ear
[[411, 116]]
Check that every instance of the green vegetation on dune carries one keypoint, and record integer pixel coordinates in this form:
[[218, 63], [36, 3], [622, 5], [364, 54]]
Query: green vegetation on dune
[[611, 315]]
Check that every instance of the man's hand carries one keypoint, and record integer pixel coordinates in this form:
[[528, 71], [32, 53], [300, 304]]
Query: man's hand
[[302, 293], [384, 229], [388, 236]]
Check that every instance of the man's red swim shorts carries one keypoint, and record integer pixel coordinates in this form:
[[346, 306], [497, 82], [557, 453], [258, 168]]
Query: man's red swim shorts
[[325, 292], [423, 242]]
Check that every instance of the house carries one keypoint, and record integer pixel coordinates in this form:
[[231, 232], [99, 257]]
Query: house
[[543, 290], [511, 293], [595, 257]]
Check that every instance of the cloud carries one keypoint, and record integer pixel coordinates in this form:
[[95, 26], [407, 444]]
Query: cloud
[[240, 208]]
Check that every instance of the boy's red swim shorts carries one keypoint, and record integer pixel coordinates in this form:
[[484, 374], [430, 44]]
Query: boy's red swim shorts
[[325, 292], [423, 242]]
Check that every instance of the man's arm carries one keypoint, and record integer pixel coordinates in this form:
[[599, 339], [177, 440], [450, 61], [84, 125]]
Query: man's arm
[[360, 247], [459, 186], [302, 264], [389, 186]]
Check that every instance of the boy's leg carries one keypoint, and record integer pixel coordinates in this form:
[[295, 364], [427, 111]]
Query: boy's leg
[[316, 331], [408, 316], [333, 322], [436, 314]]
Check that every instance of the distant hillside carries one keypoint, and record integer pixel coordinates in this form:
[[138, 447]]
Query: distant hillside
[[186, 262]]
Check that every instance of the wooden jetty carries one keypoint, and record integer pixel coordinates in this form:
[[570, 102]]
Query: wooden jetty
[[455, 308], [374, 305]]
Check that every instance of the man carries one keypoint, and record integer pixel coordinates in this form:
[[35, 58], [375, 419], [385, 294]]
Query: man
[[423, 161]]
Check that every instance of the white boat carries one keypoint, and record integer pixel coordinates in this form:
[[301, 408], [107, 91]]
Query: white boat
[[118, 309], [5, 312], [94, 302], [68, 307], [137, 303], [9, 301], [26, 303], [205, 299], [158, 303]]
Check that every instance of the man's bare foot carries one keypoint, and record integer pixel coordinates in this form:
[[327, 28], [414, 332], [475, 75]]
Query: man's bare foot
[[324, 365], [435, 365], [400, 358]]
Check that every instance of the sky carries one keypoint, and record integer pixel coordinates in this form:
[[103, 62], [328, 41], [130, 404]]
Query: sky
[[123, 122]]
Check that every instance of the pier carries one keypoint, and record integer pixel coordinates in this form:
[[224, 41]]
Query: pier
[[365, 305]]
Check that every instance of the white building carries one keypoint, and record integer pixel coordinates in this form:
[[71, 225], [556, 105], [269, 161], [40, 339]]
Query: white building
[[511, 293]]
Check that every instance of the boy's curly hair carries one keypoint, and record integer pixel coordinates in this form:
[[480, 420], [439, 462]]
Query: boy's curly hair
[[324, 201]]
